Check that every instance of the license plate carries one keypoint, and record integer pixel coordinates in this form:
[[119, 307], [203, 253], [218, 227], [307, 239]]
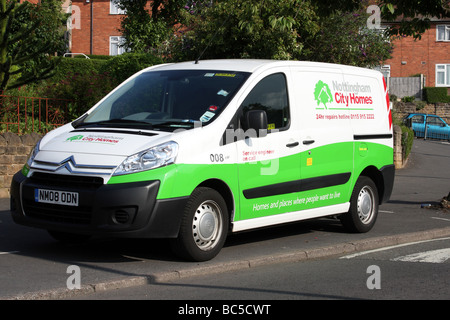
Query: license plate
[[56, 197]]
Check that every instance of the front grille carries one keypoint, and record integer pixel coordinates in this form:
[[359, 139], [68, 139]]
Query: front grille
[[59, 180], [80, 215], [58, 213]]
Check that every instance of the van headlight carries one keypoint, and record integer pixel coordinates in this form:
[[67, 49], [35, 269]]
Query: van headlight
[[33, 154], [155, 157]]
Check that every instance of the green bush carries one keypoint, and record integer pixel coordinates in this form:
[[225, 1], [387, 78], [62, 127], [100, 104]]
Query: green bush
[[123, 66], [76, 66], [32, 125], [407, 139], [83, 89], [436, 95], [408, 99], [93, 57]]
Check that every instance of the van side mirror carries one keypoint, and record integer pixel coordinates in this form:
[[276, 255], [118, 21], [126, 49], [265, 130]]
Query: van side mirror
[[256, 120]]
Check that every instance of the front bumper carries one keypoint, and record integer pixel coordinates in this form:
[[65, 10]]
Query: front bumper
[[122, 210]]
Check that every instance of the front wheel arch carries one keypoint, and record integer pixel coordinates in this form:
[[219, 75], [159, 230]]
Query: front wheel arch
[[204, 226]]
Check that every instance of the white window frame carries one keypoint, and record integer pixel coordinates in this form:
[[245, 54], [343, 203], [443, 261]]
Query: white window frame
[[114, 9], [445, 70], [115, 42], [446, 30]]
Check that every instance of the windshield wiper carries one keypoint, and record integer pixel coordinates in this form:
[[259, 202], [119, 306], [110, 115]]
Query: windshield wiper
[[178, 123], [115, 122]]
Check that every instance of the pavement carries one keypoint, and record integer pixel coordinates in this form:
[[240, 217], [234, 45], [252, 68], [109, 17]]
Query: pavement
[[413, 214]]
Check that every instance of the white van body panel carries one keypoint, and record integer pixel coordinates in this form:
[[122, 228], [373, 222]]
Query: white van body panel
[[327, 126]]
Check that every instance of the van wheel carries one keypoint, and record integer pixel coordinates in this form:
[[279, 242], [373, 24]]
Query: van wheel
[[203, 227], [363, 207]]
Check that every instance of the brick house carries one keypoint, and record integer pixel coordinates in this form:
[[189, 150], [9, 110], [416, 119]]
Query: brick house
[[95, 25], [429, 56]]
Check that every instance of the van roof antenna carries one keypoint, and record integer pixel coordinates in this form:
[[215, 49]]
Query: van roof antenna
[[210, 41]]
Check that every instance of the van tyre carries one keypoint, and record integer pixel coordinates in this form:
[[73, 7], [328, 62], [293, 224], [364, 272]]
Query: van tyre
[[204, 226], [363, 207]]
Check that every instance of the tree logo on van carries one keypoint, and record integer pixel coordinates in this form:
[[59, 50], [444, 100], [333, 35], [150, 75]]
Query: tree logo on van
[[322, 93], [74, 138]]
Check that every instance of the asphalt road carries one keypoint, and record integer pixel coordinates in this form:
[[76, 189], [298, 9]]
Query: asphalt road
[[34, 266], [416, 271]]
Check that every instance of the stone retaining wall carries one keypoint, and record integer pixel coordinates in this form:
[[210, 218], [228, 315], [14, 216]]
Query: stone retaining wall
[[440, 109], [14, 150]]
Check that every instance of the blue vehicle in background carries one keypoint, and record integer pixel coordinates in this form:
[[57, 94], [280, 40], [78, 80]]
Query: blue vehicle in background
[[428, 126]]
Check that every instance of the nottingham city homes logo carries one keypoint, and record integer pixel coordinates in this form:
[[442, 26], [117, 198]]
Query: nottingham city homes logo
[[322, 93], [341, 100], [95, 139], [343, 95]]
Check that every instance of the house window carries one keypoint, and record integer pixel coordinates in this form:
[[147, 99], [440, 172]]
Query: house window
[[116, 45], [443, 33], [114, 9], [443, 75]]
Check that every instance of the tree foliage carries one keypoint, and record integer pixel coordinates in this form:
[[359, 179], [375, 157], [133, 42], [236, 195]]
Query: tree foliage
[[345, 38], [148, 25], [268, 29], [326, 30], [29, 33]]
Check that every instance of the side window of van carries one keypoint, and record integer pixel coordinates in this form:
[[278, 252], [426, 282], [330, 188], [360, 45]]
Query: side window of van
[[270, 95]]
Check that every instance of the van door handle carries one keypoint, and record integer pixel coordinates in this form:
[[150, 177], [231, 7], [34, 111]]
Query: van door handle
[[306, 142], [293, 144]]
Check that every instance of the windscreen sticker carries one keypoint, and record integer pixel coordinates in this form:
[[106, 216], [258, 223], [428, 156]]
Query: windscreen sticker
[[222, 93], [208, 115], [230, 75], [209, 75], [213, 108]]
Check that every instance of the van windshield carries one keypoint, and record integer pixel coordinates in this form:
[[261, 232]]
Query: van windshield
[[167, 100]]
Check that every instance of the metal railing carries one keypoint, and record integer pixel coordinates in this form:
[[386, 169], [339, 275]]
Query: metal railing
[[20, 114]]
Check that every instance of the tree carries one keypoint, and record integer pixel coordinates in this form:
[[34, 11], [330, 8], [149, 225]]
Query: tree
[[148, 25], [345, 38], [268, 29], [28, 34], [287, 29]]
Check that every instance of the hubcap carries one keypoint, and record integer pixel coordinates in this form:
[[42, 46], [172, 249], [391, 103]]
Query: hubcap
[[366, 205], [207, 225]]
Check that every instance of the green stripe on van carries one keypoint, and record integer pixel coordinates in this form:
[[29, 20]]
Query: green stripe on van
[[335, 160]]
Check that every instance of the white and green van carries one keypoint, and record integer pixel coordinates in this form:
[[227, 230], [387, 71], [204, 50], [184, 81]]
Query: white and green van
[[193, 151]]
